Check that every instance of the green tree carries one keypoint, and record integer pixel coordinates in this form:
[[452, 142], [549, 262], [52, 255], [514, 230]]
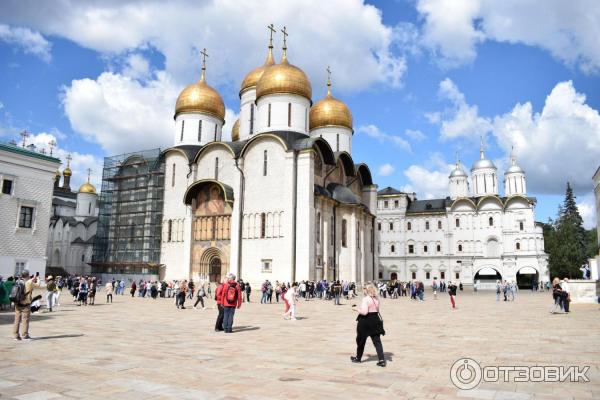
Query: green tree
[[568, 242]]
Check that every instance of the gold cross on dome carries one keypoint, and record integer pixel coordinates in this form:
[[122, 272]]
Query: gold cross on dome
[[285, 34], [89, 171], [204, 55], [273, 30], [69, 158]]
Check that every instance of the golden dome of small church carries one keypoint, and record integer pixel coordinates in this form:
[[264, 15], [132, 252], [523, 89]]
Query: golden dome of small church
[[284, 200]]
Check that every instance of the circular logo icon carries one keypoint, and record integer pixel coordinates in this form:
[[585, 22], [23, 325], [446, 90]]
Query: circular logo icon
[[465, 373]]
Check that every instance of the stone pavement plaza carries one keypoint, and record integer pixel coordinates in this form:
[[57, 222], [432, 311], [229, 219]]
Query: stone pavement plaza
[[146, 349]]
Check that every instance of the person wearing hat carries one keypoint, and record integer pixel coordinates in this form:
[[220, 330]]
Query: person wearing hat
[[50, 289], [22, 307]]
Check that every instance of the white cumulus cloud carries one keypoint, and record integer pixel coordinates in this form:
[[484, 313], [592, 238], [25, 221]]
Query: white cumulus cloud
[[348, 35], [386, 169], [376, 133], [429, 180], [559, 144], [569, 30], [31, 42], [461, 119]]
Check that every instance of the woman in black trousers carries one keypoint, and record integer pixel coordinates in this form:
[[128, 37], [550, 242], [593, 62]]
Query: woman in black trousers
[[370, 325]]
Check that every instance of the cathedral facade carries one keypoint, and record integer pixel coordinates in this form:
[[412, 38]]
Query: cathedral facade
[[284, 200], [472, 236]]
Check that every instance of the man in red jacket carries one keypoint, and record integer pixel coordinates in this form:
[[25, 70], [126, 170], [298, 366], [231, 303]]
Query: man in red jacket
[[231, 299], [219, 299]]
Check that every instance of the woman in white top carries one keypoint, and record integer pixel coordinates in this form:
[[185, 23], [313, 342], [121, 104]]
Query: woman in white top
[[369, 324], [290, 296]]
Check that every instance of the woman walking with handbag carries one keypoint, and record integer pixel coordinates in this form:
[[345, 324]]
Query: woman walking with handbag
[[370, 324]]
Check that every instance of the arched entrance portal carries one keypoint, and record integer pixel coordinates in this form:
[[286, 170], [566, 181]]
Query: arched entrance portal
[[527, 277], [212, 204], [393, 276], [486, 278]]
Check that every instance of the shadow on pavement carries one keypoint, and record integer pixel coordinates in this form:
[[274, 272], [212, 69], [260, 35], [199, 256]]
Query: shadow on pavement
[[388, 357], [58, 336], [245, 328]]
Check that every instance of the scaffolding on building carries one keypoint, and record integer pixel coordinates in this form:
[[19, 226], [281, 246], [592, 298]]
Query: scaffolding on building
[[130, 216]]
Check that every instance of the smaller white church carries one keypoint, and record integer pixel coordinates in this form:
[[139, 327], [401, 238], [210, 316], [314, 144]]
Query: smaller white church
[[284, 200], [73, 226], [473, 235]]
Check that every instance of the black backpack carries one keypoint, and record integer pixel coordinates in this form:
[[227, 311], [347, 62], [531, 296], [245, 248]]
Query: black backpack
[[17, 293]]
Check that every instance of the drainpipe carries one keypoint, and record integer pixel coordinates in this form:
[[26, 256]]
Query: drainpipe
[[373, 245], [240, 218], [334, 242], [294, 216]]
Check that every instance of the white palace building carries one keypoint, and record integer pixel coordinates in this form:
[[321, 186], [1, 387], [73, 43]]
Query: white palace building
[[473, 235], [284, 200]]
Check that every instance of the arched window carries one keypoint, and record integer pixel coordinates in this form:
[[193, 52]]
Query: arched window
[[170, 230], [263, 225], [439, 224], [289, 114], [216, 132], [182, 127], [173, 176], [200, 130], [518, 246], [318, 227], [337, 142], [491, 221], [269, 115], [393, 249], [414, 275], [89, 208], [265, 164], [427, 275], [460, 247], [425, 248], [251, 119], [379, 226], [408, 226], [358, 235], [438, 248], [216, 168], [521, 226], [457, 222], [427, 225], [391, 226], [344, 229]]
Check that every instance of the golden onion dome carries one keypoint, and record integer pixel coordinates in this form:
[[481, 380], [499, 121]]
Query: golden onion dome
[[235, 131], [329, 112], [284, 78], [254, 76], [199, 97], [87, 188], [57, 173], [67, 172]]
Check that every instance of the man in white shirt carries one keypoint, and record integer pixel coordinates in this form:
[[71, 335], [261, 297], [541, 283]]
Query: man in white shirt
[[567, 299]]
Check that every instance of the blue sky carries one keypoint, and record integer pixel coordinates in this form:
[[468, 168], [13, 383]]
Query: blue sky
[[425, 79]]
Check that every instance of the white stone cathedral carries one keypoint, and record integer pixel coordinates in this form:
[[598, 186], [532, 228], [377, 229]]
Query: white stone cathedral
[[284, 200], [470, 236]]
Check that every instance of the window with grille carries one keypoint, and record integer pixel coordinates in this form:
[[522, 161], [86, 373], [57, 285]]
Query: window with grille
[[216, 168], [200, 130], [7, 186], [251, 119], [289, 114], [182, 127], [173, 176], [344, 228], [265, 164], [269, 115], [263, 225], [411, 249]]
